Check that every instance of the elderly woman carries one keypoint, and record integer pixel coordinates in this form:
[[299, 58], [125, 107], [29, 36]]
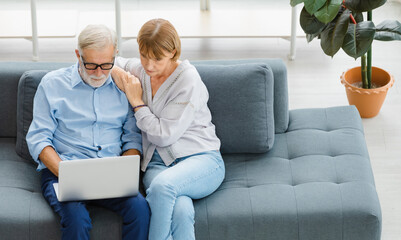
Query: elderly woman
[[181, 157]]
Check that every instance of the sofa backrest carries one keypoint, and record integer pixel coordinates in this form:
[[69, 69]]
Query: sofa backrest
[[11, 72]]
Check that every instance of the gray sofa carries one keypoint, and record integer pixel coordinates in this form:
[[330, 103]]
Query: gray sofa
[[290, 175]]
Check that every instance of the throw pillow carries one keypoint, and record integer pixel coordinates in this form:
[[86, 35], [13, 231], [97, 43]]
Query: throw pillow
[[241, 102]]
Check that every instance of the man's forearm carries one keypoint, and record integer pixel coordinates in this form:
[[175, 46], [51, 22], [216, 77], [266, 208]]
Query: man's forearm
[[50, 159]]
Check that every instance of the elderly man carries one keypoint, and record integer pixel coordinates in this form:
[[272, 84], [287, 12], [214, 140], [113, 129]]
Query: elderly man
[[78, 113]]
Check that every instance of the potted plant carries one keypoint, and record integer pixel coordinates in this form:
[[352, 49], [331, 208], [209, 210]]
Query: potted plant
[[340, 24]]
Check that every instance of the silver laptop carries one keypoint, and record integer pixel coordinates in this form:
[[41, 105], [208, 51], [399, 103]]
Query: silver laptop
[[98, 178]]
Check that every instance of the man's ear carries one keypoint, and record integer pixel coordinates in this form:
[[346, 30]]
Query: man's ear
[[77, 53]]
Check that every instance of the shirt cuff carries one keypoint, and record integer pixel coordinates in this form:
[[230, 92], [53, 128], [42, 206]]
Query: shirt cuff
[[132, 145]]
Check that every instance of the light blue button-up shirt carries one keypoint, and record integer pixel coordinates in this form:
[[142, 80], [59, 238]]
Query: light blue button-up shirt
[[80, 121]]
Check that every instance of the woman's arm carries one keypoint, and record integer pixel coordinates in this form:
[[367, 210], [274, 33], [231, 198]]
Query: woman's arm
[[133, 90], [119, 75], [165, 130], [176, 117], [132, 65], [123, 68]]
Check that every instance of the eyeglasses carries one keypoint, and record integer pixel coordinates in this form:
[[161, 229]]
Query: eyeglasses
[[94, 66]]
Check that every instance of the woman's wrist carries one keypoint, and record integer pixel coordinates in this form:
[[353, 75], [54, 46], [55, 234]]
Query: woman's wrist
[[137, 107]]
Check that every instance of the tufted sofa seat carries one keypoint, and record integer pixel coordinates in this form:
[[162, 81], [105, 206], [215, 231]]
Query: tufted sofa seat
[[301, 174], [315, 183]]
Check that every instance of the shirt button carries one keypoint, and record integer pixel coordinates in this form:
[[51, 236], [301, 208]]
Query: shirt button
[[99, 148]]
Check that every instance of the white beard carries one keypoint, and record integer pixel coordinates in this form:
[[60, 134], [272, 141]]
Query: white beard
[[91, 79]]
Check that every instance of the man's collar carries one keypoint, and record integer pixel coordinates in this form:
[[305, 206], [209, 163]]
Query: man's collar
[[77, 79]]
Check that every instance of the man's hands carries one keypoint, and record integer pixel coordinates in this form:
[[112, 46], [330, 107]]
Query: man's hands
[[51, 159]]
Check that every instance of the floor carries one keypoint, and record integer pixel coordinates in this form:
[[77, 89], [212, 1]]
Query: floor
[[314, 78]]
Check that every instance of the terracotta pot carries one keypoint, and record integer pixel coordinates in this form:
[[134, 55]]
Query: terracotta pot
[[367, 101]]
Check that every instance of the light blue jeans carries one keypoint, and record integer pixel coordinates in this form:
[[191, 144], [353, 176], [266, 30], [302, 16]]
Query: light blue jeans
[[170, 190]]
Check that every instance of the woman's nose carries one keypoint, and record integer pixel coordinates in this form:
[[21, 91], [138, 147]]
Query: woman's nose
[[150, 66]]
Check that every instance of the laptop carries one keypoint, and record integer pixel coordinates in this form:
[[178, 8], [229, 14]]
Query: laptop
[[98, 178]]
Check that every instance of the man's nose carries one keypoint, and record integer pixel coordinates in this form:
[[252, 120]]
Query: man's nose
[[98, 72]]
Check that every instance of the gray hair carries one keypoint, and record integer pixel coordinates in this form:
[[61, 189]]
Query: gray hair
[[97, 37]]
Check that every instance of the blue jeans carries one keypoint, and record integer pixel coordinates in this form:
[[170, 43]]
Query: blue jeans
[[170, 190], [75, 220]]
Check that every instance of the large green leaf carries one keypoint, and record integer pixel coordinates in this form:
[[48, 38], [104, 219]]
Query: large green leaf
[[359, 38], [388, 30], [310, 37], [309, 23], [333, 35], [363, 5], [296, 2], [313, 5], [329, 11]]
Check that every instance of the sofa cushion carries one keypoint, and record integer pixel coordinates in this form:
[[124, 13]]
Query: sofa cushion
[[7, 151], [279, 70], [26, 92], [241, 102], [27, 215]]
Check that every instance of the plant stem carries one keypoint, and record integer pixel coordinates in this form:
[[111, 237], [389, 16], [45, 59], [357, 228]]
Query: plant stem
[[365, 83], [369, 63]]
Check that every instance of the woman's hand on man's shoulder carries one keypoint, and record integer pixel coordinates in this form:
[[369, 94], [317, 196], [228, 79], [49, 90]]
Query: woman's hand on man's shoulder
[[120, 76]]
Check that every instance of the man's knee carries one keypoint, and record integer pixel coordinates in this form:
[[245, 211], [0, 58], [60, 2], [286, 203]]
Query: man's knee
[[137, 209], [75, 217]]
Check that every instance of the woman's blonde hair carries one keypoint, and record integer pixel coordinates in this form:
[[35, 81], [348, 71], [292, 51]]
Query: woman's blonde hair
[[158, 35]]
